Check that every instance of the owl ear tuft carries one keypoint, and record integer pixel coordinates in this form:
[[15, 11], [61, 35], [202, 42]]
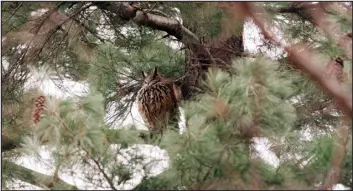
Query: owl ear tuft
[[143, 74], [155, 72]]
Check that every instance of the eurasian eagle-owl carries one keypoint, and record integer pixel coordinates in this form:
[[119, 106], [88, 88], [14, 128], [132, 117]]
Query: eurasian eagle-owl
[[158, 101]]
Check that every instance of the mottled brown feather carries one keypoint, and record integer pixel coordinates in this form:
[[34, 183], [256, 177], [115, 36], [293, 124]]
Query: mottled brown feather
[[157, 103]]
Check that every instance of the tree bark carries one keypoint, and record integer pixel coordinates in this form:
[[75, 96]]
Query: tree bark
[[171, 26]]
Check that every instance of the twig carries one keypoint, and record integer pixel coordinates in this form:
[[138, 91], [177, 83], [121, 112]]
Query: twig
[[57, 27], [101, 170], [151, 9], [49, 13], [19, 6], [91, 31]]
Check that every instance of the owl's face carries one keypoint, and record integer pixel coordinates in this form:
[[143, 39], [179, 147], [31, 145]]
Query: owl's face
[[153, 78]]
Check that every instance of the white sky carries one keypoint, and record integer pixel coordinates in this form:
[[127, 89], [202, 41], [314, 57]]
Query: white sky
[[67, 88]]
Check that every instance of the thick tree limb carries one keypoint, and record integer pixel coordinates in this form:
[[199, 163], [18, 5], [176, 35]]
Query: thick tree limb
[[36, 178], [169, 25]]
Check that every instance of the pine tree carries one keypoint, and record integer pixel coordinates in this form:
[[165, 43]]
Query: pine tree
[[298, 100]]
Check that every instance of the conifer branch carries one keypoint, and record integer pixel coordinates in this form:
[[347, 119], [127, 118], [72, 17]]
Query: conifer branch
[[323, 22], [12, 14], [124, 11], [297, 8], [8, 143], [111, 134], [36, 178], [301, 56], [94, 33], [108, 179], [59, 25], [334, 173], [169, 25], [315, 13]]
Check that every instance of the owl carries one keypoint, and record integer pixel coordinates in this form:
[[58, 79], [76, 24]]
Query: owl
[[158, 101]]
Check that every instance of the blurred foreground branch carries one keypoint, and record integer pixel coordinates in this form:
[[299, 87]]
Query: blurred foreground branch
[[302, 56], [9, 143], [36, 178], [334, 173]]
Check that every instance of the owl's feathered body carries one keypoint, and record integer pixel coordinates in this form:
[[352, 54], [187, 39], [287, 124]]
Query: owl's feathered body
[[158, 102]]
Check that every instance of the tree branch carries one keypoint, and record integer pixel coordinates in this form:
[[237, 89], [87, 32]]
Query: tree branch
[[113, 134], [90, 30], [8, 143], [171, 26], [36, 178], [301, 56], [296, 7], [316, 14], [109, 180], [122, 10], [52, 182], [320, 19], [19, 6], [334, 174]]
